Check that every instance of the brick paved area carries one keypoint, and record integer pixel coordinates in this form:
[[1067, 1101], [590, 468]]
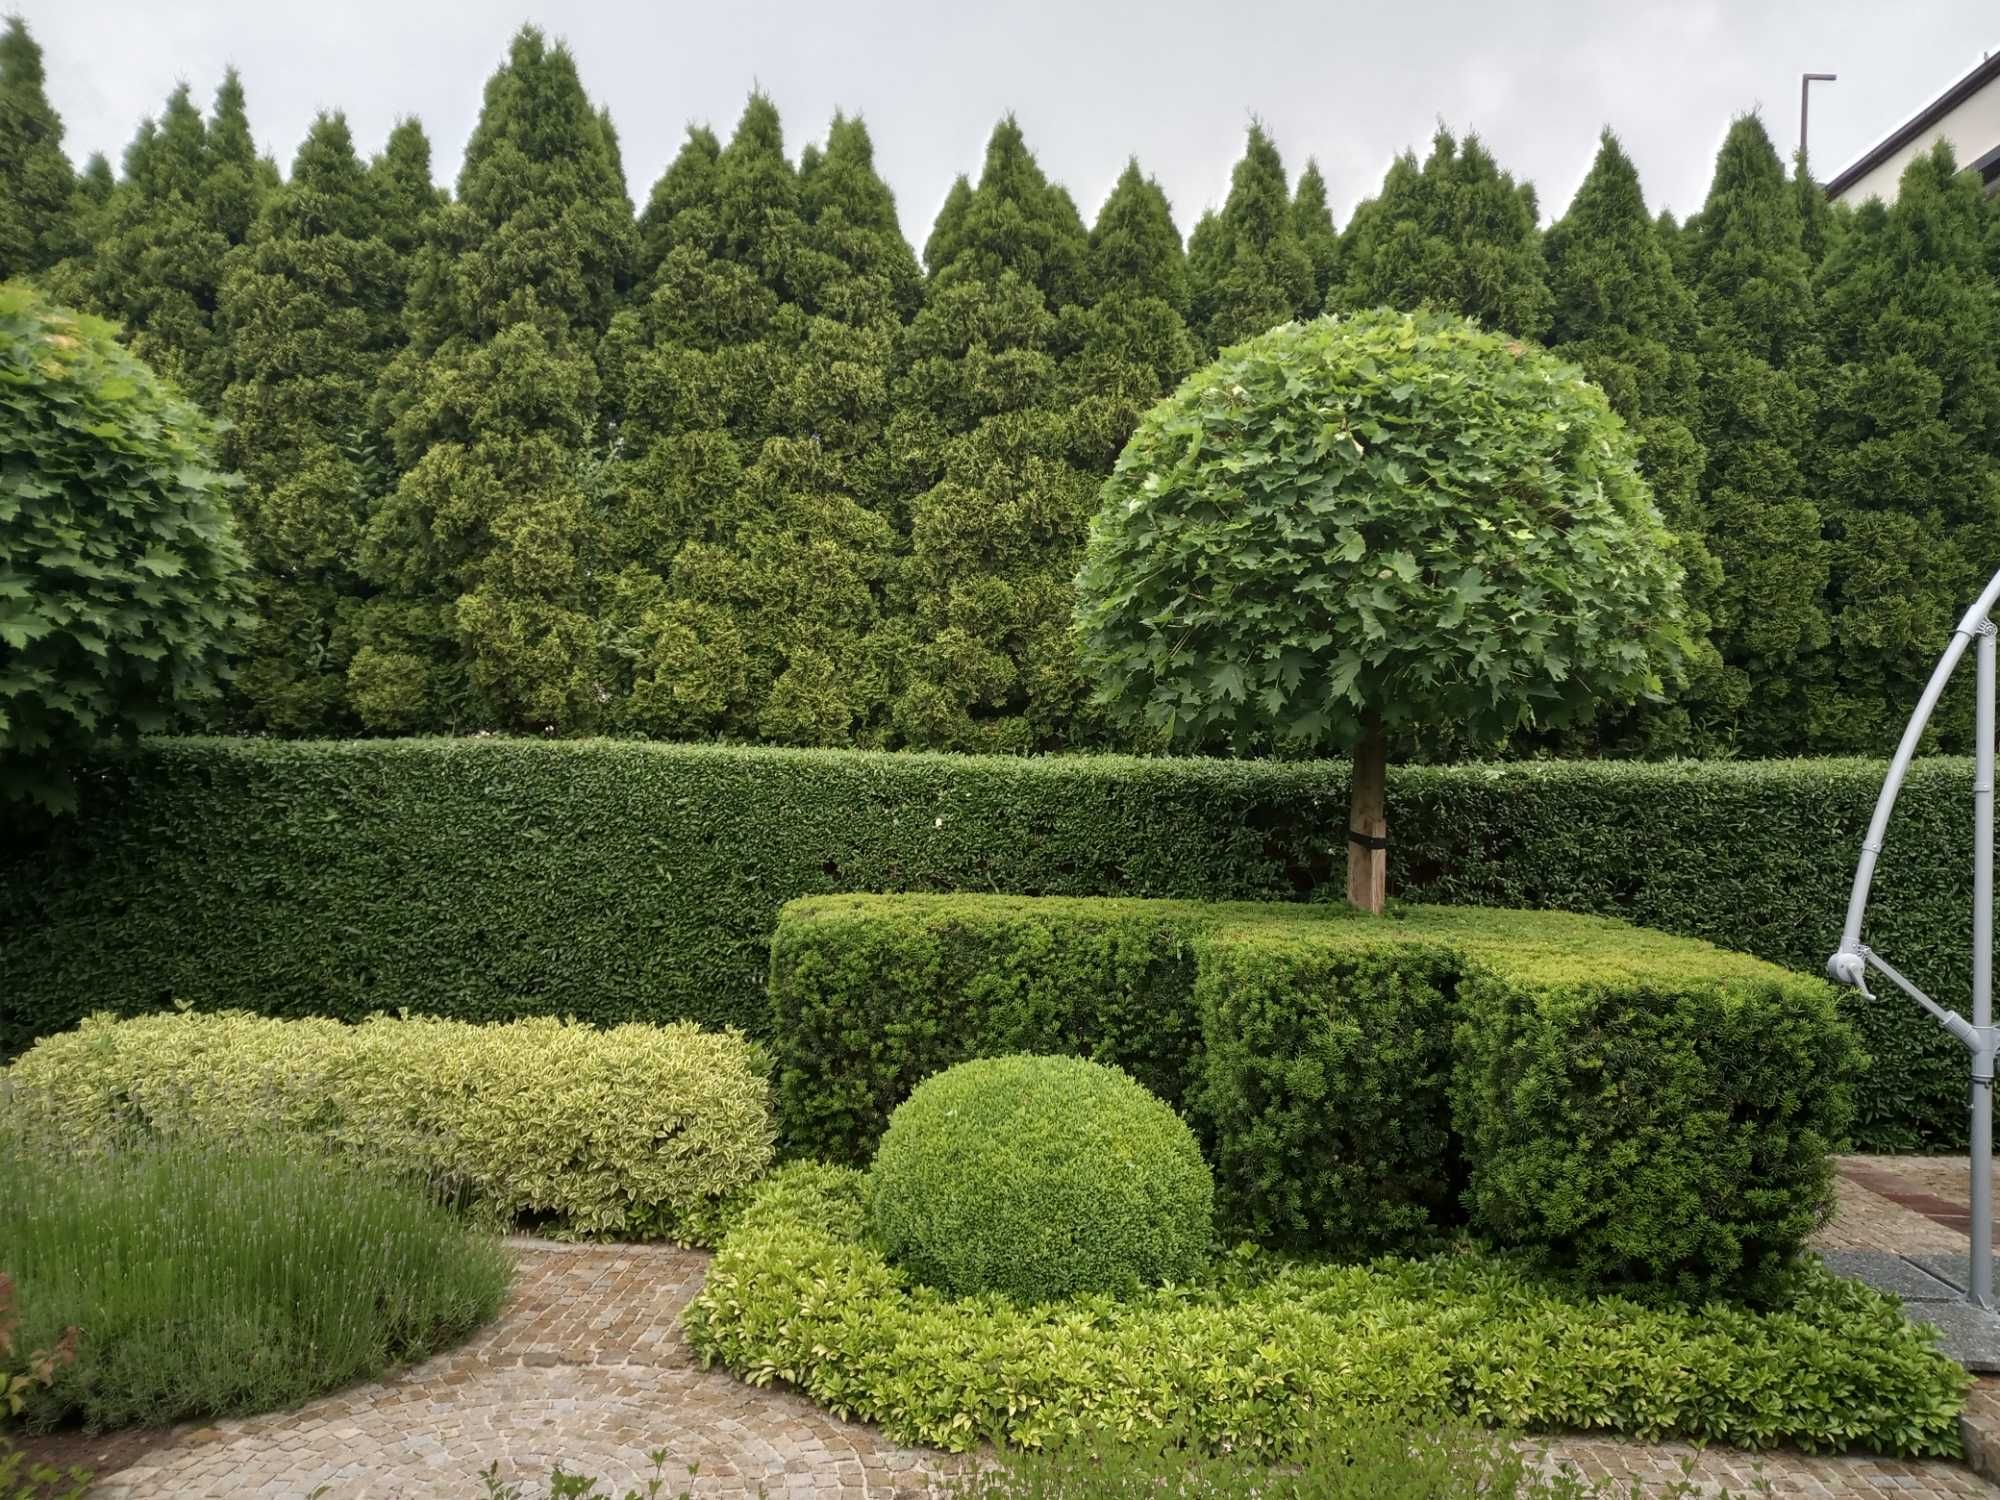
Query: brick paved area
[[588, 1366]]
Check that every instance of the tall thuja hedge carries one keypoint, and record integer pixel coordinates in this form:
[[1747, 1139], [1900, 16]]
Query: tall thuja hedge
[[1620, 312], [38, 207], [808, 570], [1907, 448], [189, 196], [1757, 354], [1131, 344], [310, 313], [755, 528], [1248, 266], [1456, 234], [1002, 483], [1312, 222], [688, 370], [487, 552]]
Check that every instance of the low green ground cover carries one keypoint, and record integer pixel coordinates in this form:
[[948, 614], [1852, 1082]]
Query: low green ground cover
[[1263, 1351], [206, 1280], [1368, 1461]]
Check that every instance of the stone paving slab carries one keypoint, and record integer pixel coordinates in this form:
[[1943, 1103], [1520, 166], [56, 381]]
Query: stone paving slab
[[1890, 1272]]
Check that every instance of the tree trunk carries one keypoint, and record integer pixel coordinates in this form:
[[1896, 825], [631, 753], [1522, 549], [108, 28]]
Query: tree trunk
[[1367, 821]]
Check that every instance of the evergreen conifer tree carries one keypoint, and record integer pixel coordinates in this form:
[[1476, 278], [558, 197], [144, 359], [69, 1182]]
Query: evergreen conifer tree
[[1819, 225], [1312, 221], [309, 314], [758, 542], [399, 181], [1131, 345], [989, 448], [190, 194], [38, 207], [1455, 234], [1247, 266], [1620, 311], [1908, 449], [487, 551], [1754, 309]]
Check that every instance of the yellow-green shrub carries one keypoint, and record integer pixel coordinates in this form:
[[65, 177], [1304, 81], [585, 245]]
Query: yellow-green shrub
[[636, 1130]]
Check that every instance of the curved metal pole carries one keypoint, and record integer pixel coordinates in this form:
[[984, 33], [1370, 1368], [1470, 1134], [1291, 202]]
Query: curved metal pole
[[1846, 965]]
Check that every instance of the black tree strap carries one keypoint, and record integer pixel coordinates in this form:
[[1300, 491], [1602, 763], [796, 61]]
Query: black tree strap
[[1366, 840]]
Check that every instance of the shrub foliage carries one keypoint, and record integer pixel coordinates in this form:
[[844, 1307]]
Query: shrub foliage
[[121, 588], [1265, 1352], [639, 1130], [1315, 530], [1040, 1178]]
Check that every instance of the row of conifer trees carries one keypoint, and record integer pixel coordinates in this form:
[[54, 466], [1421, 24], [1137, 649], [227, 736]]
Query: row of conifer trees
[[742, 466]]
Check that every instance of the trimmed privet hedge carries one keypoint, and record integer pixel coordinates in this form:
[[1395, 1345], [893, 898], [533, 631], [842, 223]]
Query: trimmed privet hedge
[[1641, 1109], [1264, 1351], [488, 879], [641, 1131]]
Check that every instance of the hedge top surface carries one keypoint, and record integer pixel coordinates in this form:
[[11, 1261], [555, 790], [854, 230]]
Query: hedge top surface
[[1386, 513], [1539, 947]]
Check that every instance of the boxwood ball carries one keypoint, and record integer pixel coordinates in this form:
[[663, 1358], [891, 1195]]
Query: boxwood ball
[[1040, 1178]]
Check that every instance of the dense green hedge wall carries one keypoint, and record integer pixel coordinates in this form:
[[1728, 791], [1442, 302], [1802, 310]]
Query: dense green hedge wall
[[495, 878]]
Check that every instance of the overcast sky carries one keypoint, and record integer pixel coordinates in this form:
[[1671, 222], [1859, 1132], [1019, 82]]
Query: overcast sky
[[1174, 81]]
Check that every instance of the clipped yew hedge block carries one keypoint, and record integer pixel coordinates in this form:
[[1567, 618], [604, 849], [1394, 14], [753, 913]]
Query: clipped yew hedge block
[[1645, 1110]]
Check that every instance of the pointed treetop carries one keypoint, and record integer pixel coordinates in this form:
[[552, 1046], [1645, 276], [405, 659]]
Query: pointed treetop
[[537, 133], [1258, 203], [687, 186], [1135, 251], [609, 131], [38, 221], [1608, 266], [844, 179], [1312, 221], [96, 181], [756, 191], [1745, 255], [1247, 268], [852, 217], [1456, 234], [327, 192], [1817, 226], [949, 225], [170, 155], [23, 80], [229, 125], [1014, 220], [400, 180]]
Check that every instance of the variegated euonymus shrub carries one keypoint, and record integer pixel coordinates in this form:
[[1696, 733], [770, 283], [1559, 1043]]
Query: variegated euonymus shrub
[[635, 1130]]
